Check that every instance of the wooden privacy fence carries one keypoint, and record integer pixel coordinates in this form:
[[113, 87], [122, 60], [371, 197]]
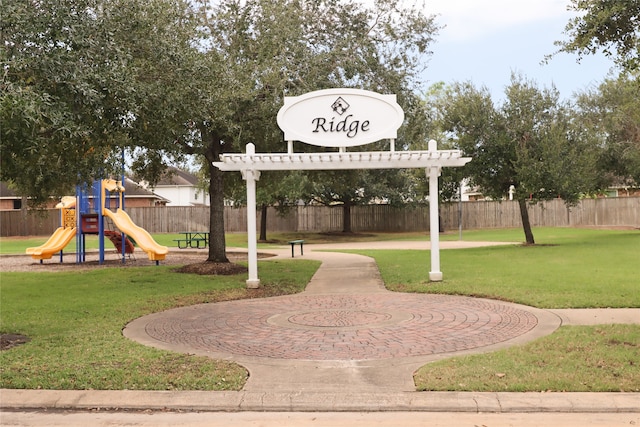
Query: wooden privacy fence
[[609, 212]]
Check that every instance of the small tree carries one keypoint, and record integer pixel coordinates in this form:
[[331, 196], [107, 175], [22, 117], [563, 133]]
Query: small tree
[[346, 189], [530, 142]]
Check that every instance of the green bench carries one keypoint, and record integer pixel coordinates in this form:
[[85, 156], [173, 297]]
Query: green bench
[[293, 243]]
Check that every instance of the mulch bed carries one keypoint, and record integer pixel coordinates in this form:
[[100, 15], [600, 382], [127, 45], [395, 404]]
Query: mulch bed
[[213, 268]]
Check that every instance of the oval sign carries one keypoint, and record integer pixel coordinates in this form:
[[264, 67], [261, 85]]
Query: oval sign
[[340, 117]]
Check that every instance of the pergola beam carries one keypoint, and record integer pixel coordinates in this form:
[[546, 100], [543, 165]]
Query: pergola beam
[[342, 160]]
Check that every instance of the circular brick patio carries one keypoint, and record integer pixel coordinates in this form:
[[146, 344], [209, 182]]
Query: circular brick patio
[[341, 327]]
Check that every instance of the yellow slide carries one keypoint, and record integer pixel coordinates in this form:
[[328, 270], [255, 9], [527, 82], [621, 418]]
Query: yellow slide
[[67, 202], [142, 237], [58, 240]]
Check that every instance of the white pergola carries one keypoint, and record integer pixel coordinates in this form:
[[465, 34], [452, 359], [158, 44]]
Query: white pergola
[[250, 164]]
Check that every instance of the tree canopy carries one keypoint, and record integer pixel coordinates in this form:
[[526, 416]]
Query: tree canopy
[[612, 26], [612, 112], [82, 80]]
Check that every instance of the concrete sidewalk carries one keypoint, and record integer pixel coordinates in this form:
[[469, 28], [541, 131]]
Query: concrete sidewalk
[[344, 344], [309, 401]]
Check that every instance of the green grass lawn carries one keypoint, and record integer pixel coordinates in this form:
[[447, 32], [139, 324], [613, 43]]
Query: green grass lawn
[[574, 358], [570, 268], [18, 245], [75, 320]]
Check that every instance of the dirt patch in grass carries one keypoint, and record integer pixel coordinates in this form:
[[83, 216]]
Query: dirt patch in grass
[[8, 341]]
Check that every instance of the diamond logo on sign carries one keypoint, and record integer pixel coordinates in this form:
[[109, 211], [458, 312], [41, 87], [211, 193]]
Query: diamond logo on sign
[[340, 106], [340, 117]]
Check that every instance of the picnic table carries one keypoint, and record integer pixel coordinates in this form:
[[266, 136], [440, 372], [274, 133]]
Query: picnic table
[[193, 239]]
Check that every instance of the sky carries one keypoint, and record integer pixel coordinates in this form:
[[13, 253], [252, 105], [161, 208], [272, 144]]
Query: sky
[[484, 41]]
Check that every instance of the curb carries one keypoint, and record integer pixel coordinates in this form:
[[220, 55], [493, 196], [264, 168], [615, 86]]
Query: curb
[[231, 401]]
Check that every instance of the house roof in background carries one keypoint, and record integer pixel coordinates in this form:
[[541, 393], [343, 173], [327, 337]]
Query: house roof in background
[[176, 177], [133, 189]]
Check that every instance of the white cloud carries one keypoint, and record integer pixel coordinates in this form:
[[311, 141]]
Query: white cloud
[[468, 19]]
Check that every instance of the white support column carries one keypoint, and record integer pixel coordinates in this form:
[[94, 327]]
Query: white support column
[[251, 176], [435, 275]]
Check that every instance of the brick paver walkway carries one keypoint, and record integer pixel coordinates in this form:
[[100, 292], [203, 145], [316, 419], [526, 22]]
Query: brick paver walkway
[[342, 327], [345, 331]]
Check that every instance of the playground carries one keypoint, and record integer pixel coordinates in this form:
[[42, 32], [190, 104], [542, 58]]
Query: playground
[[90, 213]]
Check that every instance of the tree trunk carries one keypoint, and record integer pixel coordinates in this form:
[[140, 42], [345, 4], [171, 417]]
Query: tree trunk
[[263, 223], [217, 243], [526, 224], [23, 216], [346, 217]]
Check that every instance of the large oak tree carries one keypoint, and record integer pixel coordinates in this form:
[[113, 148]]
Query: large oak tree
[[272, 50]]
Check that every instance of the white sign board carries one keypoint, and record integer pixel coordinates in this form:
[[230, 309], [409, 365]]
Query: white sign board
[[340, 117]]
